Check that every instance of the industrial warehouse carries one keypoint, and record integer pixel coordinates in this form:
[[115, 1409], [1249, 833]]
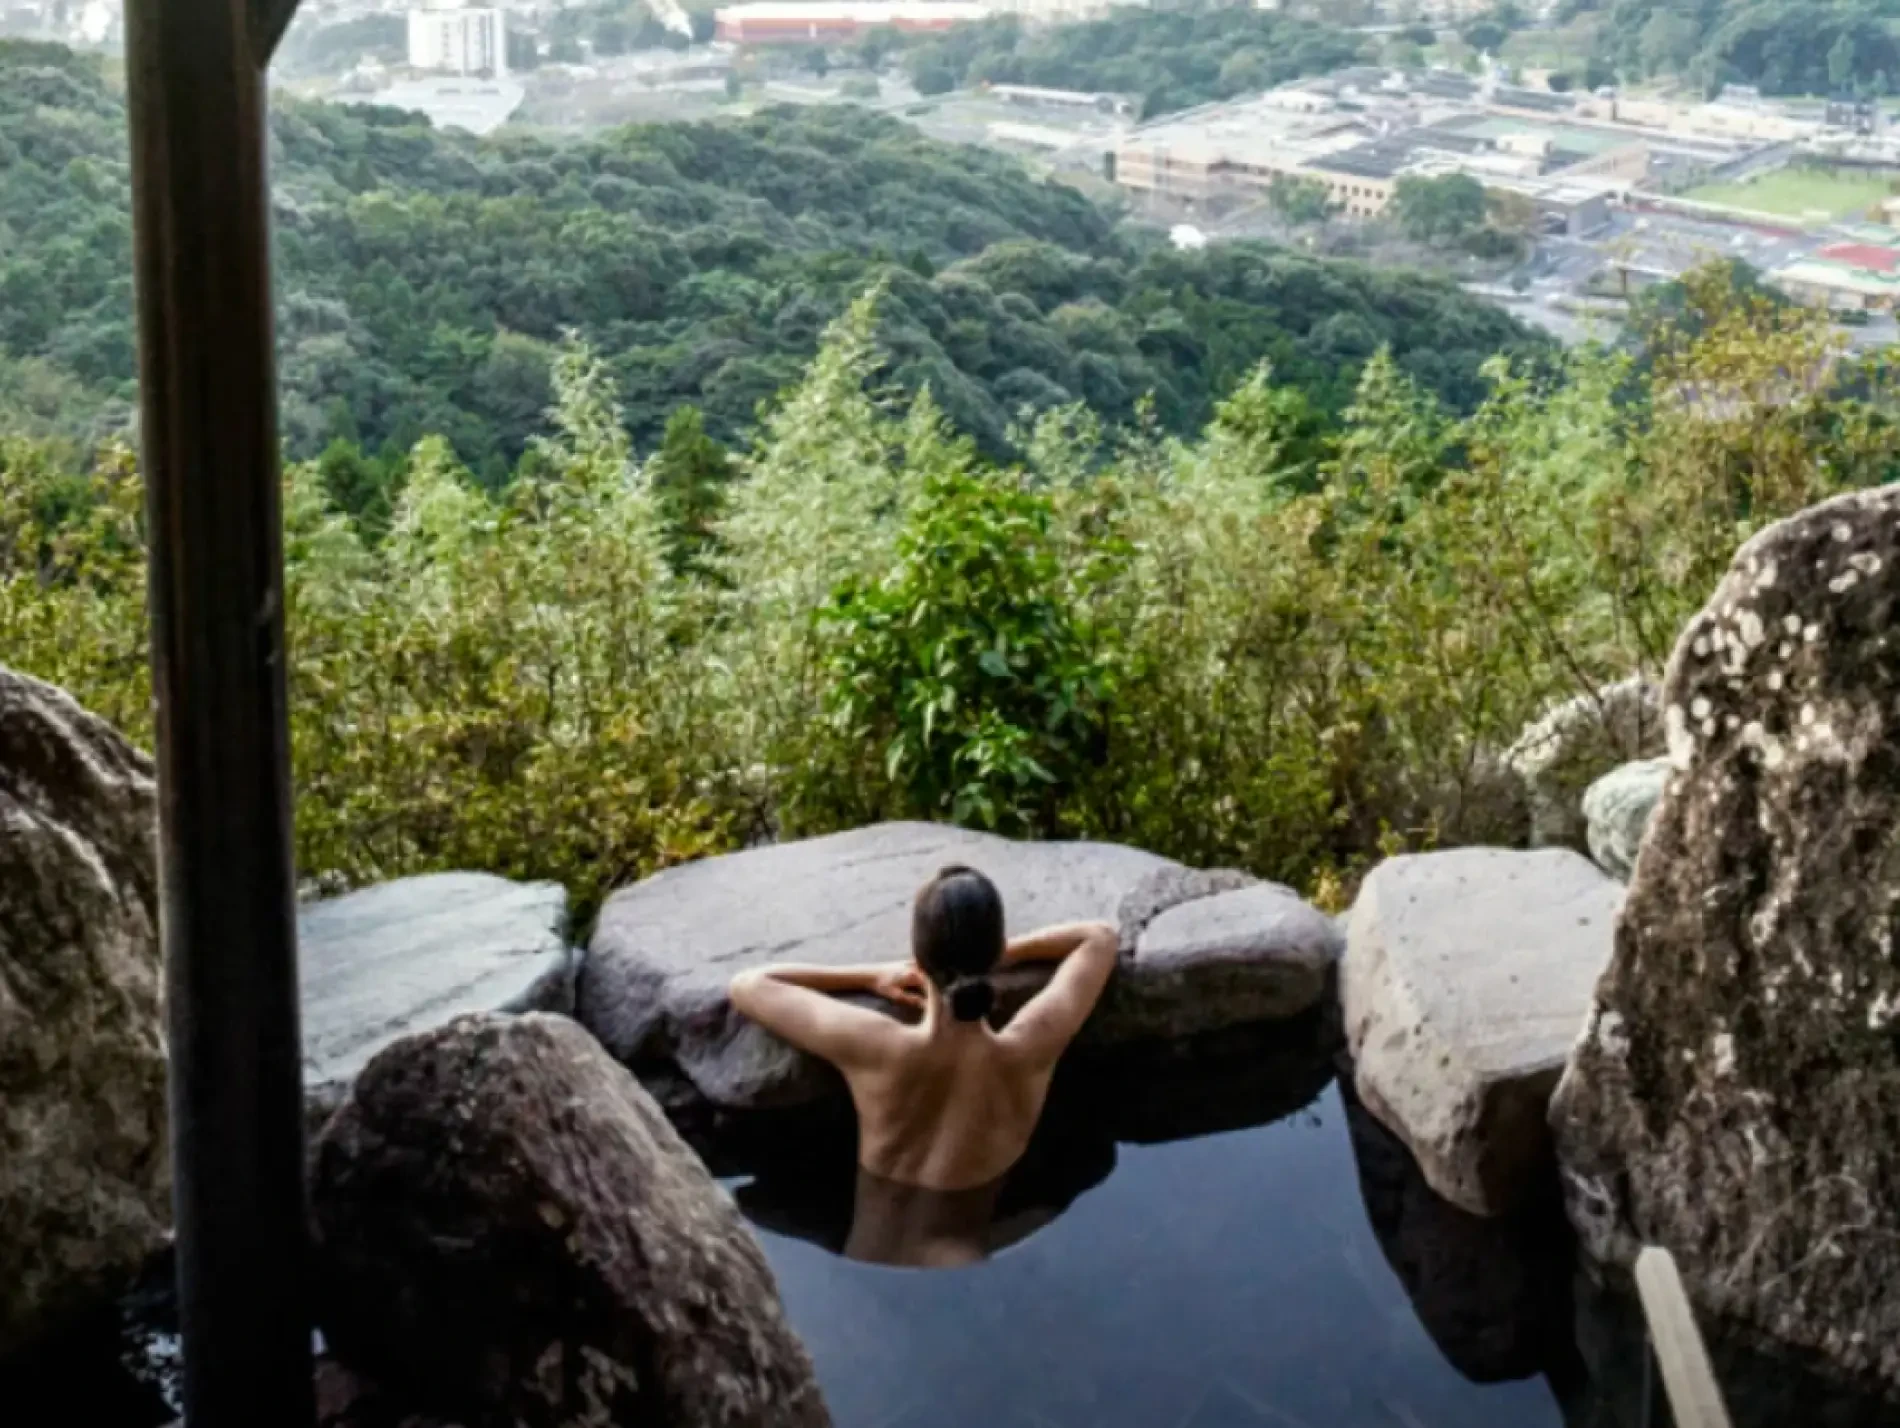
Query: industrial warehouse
[[1361, 131]]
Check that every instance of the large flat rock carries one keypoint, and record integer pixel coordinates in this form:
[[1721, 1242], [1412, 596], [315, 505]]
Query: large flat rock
[[411, 955], [1201, 951], [1247, 955], [1467, 979]]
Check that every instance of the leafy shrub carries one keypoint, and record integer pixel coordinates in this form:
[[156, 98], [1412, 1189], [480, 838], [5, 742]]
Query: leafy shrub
[[967, 665], [1288, 645]]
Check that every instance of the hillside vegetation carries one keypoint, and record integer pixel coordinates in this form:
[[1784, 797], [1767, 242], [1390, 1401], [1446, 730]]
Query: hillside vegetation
[[1784, 47], [1265, 646], [1168, 59], [426, 279]]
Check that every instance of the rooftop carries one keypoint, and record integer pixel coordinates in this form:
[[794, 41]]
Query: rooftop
[[862, 12], [1839, 277], [1865, 257]]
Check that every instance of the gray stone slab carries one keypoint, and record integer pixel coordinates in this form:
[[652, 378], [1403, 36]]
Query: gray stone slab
[[1468, 977], [1255, 954], [412, 955], [654, 985]]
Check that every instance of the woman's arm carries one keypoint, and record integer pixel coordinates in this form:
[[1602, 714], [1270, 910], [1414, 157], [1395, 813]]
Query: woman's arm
[[890, 980], [1053, 944], [1086, 953], [795, 1003]]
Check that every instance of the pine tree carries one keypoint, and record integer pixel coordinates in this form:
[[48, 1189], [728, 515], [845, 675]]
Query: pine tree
[[690, 473]]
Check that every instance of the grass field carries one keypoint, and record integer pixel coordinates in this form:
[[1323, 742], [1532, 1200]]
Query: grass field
[[1800, 193]]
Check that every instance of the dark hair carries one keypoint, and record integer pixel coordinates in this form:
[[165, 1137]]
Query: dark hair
[[956, 935]]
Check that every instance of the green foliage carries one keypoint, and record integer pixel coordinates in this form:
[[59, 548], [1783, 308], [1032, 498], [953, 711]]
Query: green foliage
[[1290, 643], [966, 665], [331, 48], [361, 487], [427, 278], [1785, 47], [1445, 210], [1172, 58], [690, 474], [497, 684], [1301, 200], [611, 27]]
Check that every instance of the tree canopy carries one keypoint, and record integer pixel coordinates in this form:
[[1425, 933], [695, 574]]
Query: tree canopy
[[1170, 59], [1277, 644], [426, 279], [1784, 47]]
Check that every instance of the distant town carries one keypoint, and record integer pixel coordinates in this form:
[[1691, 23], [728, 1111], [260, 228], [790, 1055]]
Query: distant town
[[1616, 191]]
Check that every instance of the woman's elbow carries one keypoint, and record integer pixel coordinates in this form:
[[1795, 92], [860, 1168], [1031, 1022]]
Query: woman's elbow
[[744, 988]]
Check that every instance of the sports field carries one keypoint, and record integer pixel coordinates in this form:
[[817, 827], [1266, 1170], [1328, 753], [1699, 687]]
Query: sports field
[[1803, 194]]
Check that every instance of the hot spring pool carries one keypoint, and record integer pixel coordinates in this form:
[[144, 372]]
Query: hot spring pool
[[1199, 1242], [1292, 1274], [1225, 1281]]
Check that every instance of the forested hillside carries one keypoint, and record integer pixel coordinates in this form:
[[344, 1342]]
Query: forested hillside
[[1785, 47], [1169, 59], [425, 279]]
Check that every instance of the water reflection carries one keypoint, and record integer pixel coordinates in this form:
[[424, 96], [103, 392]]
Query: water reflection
[[1190, 1249], [798, 1177], [1494, 1294], [1211, 1237]]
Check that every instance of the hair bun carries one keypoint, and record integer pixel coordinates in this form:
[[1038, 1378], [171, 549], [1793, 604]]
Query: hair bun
[[972, 998]]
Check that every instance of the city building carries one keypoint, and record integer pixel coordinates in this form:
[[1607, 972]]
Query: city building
[[1748, 122], [1863, 277], [1037, 97], [787, 22], [1362, 132], [445, 38], [1862, 116]]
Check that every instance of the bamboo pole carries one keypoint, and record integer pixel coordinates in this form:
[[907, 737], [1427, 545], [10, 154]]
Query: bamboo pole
[[1695, 1399]]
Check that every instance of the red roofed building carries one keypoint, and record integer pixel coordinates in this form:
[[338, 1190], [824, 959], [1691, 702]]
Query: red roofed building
[[787, 22], [1862, 277], [1865, 256]]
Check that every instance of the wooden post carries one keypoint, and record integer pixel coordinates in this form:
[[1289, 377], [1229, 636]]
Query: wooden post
[[1695, 1400], [207, 391]]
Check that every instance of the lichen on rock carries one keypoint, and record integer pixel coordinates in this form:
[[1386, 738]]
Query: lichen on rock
[[1736, 1095]]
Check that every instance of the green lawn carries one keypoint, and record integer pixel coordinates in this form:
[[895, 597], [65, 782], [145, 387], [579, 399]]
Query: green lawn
[[1801, 193]]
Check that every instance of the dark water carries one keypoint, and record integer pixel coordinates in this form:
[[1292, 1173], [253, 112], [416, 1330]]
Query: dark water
[[1279, 1270], [1225, 1281], [1217, 1237]]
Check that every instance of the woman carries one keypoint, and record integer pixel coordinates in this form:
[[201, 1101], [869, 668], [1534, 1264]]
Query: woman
[[947, 1104]]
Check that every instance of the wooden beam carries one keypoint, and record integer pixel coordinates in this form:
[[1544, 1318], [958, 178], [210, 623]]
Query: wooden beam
[[269, 20], [207, 394], [1695, 1399]]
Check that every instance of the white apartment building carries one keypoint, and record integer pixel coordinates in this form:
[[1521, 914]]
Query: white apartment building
[[445, 37]]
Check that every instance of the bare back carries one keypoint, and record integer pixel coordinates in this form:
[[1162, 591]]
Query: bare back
[[942, 1104], [953, 1106]]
